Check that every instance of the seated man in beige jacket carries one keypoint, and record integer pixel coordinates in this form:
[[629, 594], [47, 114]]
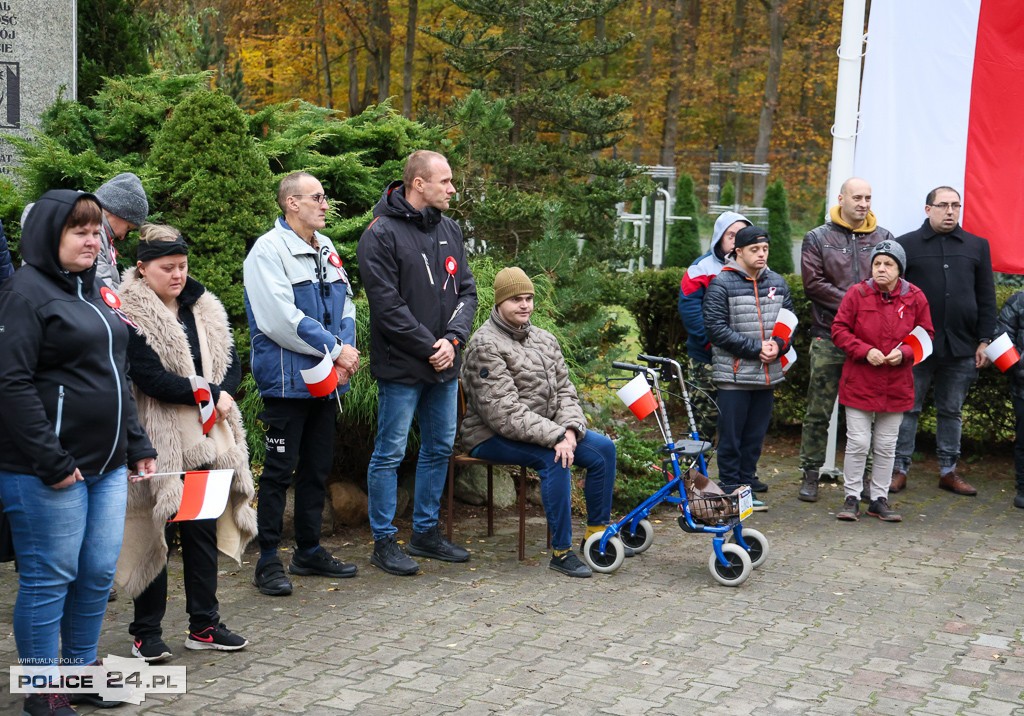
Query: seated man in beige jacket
[[522, 409]]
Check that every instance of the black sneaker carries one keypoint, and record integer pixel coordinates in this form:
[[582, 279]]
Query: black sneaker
[[880, 509], [389, 556], [270, 579], [1018, 500], [150, 648], [570, 564], [432, 545], [215, 637], [47, 705], [851, 509], [322, 563], [92, 699], [756, 485]]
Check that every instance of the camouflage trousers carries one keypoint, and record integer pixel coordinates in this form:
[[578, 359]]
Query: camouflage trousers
[[702, 400], [826, 368]]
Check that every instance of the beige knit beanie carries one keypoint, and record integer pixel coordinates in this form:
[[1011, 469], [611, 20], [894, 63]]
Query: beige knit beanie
[[509, 282]]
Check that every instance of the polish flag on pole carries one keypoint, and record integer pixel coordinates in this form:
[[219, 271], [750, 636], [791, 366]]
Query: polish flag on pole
[[637, 396], [321, 379], [974, 51], [204, 399], [1002, 352], [785, 324], [788, 359], [205, 495], [920, 342]]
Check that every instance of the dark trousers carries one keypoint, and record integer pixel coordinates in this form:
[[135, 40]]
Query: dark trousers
[[743, 417], [1018, 443], [300, 440], [199, 555]]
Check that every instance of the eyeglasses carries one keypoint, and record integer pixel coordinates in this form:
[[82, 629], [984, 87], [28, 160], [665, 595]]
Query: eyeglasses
[[946, 206], [318, 198]]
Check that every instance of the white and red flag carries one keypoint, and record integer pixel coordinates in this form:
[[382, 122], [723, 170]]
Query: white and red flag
[[1003, 353], [785, 324], [942, 103], [637, 396], [920, 342], [321, 379], [205, 495], [788, 359], [204, 399]]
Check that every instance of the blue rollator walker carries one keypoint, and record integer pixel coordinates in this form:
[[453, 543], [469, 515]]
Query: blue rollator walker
[[731, 562]]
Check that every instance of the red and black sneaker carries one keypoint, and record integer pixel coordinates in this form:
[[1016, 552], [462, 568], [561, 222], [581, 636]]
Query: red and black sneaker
[[150, 648], [216, 637]]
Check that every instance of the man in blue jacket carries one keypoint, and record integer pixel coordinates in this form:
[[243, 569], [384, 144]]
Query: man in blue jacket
[[422, 299], [299, 304]]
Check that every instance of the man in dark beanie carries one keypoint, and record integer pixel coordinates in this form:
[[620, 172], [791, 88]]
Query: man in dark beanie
[[125, 208], [740, 309]]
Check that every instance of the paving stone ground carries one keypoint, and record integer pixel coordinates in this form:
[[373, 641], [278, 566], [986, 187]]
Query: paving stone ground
[[922, 617]]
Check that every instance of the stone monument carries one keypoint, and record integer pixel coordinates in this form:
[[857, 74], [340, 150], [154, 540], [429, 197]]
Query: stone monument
[[38, 53]]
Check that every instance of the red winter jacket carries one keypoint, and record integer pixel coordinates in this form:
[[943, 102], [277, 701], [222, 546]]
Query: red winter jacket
[[867, 319]]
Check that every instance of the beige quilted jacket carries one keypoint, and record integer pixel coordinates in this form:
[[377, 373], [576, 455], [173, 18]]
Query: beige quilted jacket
[[517, 385]]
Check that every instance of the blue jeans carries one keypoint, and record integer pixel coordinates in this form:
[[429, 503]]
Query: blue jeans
[[594, 452], [952, 378], [435, 406], [67, 542]]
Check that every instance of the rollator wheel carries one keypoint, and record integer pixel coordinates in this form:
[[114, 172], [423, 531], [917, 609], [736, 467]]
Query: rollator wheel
[[758, 544], [639, 541], [609, 561], [736, 572]]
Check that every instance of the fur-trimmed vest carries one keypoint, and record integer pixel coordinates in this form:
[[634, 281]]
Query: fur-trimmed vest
[[178, 437]]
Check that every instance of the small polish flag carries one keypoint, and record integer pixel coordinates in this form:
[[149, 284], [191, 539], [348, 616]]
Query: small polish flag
[[637, 396], [920, 342], [321, 379], [1002, 352], [785, 324], [204, 399], [205, 495], [788, 359]]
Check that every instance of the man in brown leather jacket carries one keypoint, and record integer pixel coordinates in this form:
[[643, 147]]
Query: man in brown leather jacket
[[834, 256]]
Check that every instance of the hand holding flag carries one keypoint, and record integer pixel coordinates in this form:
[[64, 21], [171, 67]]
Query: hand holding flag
[[321, 379], [785, 324], [1003, 353], [202, 394]]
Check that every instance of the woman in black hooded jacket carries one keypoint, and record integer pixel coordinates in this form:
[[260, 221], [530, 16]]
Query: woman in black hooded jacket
[[69, 431]]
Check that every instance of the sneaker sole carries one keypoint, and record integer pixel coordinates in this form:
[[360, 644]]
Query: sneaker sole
[[848, 518], [396, 572], [570, 573], [278, 592], [202, 645], [807, 498], [409, 549], [150, 659], [886, 519], [760, 508], [307, 571]]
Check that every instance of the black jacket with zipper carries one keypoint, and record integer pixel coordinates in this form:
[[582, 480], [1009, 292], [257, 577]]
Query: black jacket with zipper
[[413, 299], [64, 390]]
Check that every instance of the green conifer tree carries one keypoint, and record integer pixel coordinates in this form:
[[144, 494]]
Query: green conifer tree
[[112, 41], [779, 229], [684, 236], [214, 185]]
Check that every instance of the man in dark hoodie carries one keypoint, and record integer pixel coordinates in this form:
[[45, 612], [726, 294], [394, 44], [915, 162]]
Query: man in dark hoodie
[[422, 299]]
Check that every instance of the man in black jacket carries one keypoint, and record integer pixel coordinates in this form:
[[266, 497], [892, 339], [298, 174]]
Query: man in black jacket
[[954, 269], [422, 299]]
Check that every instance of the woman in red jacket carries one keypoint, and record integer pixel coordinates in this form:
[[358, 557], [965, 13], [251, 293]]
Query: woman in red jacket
[[877, 384]]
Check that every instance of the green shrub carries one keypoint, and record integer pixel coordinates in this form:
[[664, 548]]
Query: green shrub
[[684, 236], [637, 476], [652, 298], [779, 228]]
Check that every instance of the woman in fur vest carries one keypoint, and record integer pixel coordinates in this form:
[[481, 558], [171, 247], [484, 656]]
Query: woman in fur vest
[[182, 330]]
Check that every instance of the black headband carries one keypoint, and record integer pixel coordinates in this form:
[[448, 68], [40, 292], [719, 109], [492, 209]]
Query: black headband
[[149, 250]]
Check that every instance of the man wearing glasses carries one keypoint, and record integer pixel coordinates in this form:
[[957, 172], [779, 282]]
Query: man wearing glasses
[[299, 304], [954, 269]]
